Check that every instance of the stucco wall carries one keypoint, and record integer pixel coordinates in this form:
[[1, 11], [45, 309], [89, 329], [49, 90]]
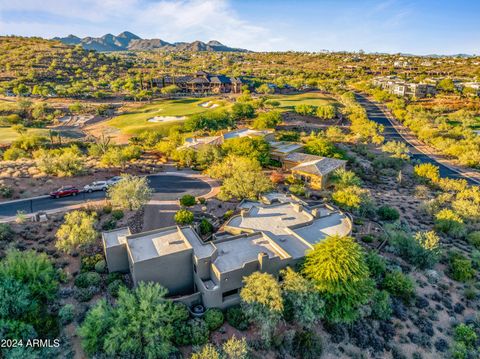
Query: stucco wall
[[173, 271]]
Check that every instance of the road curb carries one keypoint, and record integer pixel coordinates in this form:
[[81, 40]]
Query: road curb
[[25, 199]]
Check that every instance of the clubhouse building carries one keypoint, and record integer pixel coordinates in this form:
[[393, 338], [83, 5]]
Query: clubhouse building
[[265, 236]]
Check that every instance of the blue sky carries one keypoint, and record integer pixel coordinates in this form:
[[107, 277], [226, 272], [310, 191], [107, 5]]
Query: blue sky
[[420, 27]]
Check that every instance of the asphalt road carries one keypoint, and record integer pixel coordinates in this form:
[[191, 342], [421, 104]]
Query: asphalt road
[[167, 187], [390, 133]]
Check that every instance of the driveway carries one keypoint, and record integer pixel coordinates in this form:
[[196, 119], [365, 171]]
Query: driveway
[[167, 187]]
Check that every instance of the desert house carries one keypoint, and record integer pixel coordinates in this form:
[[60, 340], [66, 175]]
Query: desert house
[[264, 237]]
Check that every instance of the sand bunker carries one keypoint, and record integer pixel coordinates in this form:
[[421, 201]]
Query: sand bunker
[[209, 104], [166, 118]]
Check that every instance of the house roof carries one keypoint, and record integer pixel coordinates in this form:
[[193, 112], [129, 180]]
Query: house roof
[[283, 147], [299, 157], [321, 167]]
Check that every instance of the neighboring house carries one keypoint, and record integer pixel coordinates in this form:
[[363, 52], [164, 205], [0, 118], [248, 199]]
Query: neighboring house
[[314, 171], [196, 142], [202, 82], [402, 88], [280, 149], [263, 237]]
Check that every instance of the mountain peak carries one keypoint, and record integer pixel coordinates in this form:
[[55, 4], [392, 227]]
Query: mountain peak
[[128, 35], [128, 41]]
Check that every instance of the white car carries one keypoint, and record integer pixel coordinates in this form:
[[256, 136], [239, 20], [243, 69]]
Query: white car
[[113, 181], [96, 186]]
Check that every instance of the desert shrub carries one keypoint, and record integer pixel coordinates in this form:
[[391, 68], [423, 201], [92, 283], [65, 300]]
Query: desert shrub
[[214, 319], [465, 334], [376, 264], [117, 214], [205, 227], [399, 285], [85, 294], [114, 287], [184, 216], [6, 232], [100, 266], [87, 263], [199, 331], [111, 277], [449, 222], [386, 162], [387, 213], [66, 313], [202, 200], [228, 214], [14, 153], [421, 250], [77, 231], [187, 200], [297, 190], [307, 344], [381, 305], [107, 209], [6, 191], [236, 318], [367, 239], [87, 279], [473, 238], [109, 224], [427, 172], [460, 267]]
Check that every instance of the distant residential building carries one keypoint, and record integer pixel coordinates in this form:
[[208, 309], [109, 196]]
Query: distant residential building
[[403, 88], [202, 82], [314, 171], [264, 237]]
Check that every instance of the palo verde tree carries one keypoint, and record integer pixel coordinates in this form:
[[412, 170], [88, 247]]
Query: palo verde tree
[[303, 302], [337, 267], [78, 230], [130, 193], [262, 302]]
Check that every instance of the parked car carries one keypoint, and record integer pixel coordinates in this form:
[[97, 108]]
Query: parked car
[[64, 191], [113, 181], [96, 186]]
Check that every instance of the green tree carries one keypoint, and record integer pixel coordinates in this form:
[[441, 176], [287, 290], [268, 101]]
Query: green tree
[[262, 302], [399, 285], [303, 302], [242, 111], [342, 178], [351, 198], [320, 146], [130, 193], [265, 89], [267, 120], [254, 148], [187, 200], [170, 90], [337, 267], [77, 230], [140, 325], [242, 178]]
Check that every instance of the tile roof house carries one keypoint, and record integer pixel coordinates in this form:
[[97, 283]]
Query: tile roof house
[[263, 237], [313, 170]]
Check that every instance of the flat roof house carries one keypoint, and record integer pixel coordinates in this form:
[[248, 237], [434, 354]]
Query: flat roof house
[[263, 237], [196, 142]]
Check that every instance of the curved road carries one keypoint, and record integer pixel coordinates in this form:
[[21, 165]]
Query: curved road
[[376, 114], [167, 187]]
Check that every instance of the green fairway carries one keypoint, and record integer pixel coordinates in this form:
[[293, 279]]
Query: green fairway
[[7, 135], [136, 120], [288, 102]]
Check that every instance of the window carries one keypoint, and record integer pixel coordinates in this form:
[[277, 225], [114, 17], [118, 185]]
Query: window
[[230, 293]]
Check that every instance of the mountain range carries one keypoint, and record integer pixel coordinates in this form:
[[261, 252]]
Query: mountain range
[[126, 41]]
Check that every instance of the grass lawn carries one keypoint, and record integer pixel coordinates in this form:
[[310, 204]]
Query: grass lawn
[[136, 120], [7, 135], [288, 102]]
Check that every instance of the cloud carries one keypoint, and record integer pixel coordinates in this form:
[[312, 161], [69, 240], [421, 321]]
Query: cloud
[[171, 20]]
